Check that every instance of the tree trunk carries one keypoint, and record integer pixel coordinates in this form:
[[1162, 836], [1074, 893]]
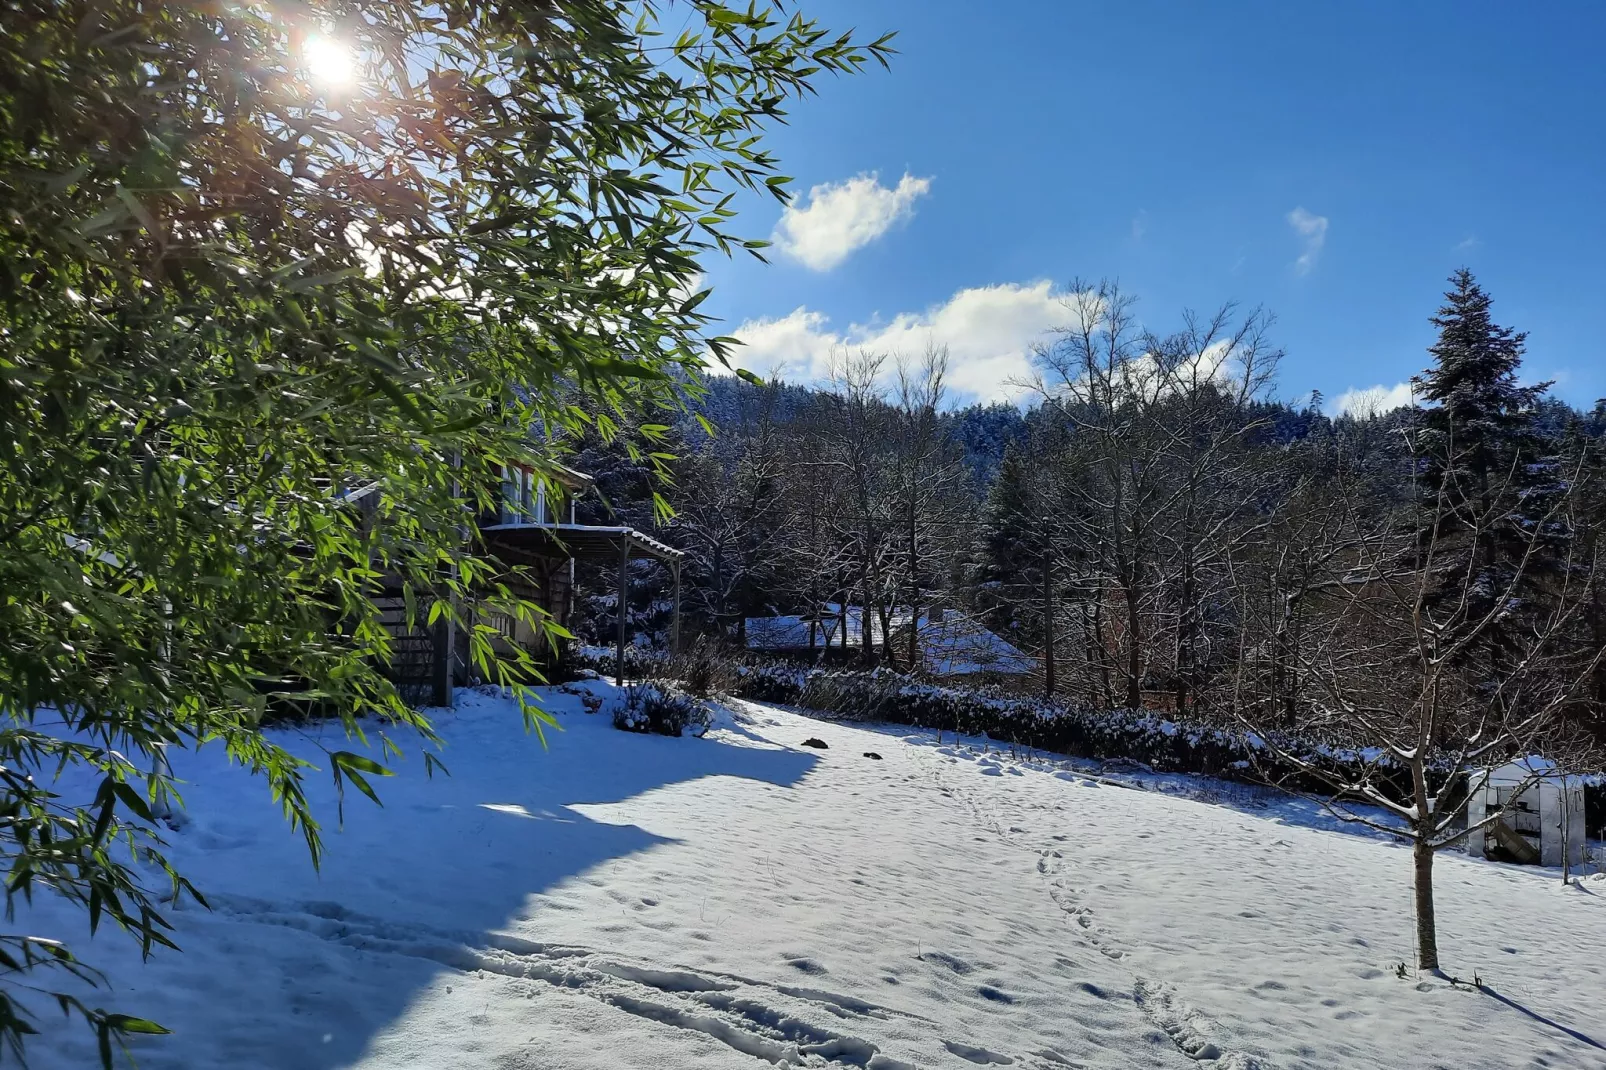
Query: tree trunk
[[719, 589], [914, 591], [1427, 936], [1101, 646], [1134, 652], [1187, 625], [888, 652], [1048, 629]]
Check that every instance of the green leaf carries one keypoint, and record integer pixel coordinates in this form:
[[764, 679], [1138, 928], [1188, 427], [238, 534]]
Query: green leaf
[[348, 761], [627, 369], [123, 1023], [133, 800], [304, 283]]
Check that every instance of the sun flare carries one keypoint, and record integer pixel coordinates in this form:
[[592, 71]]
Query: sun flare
[[329, 61]]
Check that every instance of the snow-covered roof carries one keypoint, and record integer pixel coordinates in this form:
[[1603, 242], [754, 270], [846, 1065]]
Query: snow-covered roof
[[785, 633], [1527, 770], [961, 646], [791, 632], [898, 617], [955, 645]]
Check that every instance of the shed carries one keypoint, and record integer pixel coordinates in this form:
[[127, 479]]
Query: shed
[[1541, 813]]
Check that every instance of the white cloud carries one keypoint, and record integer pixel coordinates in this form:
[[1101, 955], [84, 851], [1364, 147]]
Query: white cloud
[[989, 332], [1372, 400], [839, 217], [1312, 229]]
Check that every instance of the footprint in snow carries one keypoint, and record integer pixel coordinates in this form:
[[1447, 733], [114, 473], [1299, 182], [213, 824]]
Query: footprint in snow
[[980, 1056], [941, 958], [804, 964]]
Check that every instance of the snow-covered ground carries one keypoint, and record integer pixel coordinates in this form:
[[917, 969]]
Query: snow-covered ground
[[739, 900]]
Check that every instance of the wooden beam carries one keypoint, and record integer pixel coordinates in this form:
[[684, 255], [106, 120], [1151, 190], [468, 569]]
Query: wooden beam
[[674, 625], [1514, 844], [624, 589]]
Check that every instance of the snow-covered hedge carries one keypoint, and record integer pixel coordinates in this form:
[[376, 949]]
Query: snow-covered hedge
[[662, 710], [1162, 742]]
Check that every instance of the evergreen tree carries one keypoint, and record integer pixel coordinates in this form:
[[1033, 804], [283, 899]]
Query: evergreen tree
[[1480, 418], [1489, 478], [1007, 563]]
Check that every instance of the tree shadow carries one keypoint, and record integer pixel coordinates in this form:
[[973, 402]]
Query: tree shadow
[[303, 968], [1582, 1038]]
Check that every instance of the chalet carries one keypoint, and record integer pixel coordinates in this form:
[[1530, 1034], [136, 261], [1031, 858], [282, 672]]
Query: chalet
[[535, 531]]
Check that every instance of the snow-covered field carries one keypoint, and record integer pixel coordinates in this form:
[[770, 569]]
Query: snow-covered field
[[738, 900]]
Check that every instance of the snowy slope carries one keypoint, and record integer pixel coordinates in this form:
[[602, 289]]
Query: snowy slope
[[738, 901]]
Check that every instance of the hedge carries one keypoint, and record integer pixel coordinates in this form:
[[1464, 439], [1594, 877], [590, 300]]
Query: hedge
[[1163, 742]]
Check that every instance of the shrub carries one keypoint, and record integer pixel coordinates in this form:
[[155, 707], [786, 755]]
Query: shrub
[[769, 682], [640, 662], [704, 667], [662, 710]]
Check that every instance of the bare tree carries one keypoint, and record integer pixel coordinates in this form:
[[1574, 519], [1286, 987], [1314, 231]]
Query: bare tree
[[1385, 659], [934, 488], [1157, 474], [732, 514]]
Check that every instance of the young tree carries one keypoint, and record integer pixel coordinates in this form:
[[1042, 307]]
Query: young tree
[[1441, 634], [1385, 657], [933, 496], [237, 286]]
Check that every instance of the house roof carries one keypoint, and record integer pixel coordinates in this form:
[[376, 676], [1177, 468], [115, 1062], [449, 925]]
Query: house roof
[[961, 646], [585, 542], [572, 478], [953, 646], [784, 633]]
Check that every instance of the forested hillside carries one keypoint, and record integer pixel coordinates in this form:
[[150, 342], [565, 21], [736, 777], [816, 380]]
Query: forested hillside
[[1155, 526]]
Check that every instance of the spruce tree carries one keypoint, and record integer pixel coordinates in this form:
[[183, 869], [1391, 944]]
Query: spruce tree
[[1489, 477], [1006, 564], [1480, 418]]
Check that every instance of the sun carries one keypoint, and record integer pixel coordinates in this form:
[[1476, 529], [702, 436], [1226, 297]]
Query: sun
[[330, 62]]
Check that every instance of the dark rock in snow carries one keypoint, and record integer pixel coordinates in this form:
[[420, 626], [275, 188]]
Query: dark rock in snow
[[872, 755], [818, 744]]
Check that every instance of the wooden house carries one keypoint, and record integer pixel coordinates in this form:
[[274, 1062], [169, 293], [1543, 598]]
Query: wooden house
[[533, 531]]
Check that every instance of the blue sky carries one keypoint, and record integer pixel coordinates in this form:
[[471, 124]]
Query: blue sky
[[1331, 162]]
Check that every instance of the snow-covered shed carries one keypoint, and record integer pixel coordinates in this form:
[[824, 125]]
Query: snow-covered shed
[[1541, 813]]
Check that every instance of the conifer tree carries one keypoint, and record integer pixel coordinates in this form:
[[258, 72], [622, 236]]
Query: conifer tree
[[1007, 563], [1490, 479]]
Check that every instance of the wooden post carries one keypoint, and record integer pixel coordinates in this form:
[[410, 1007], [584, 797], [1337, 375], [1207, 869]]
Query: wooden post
[[441, 643], [674, 624], [624, 589]]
